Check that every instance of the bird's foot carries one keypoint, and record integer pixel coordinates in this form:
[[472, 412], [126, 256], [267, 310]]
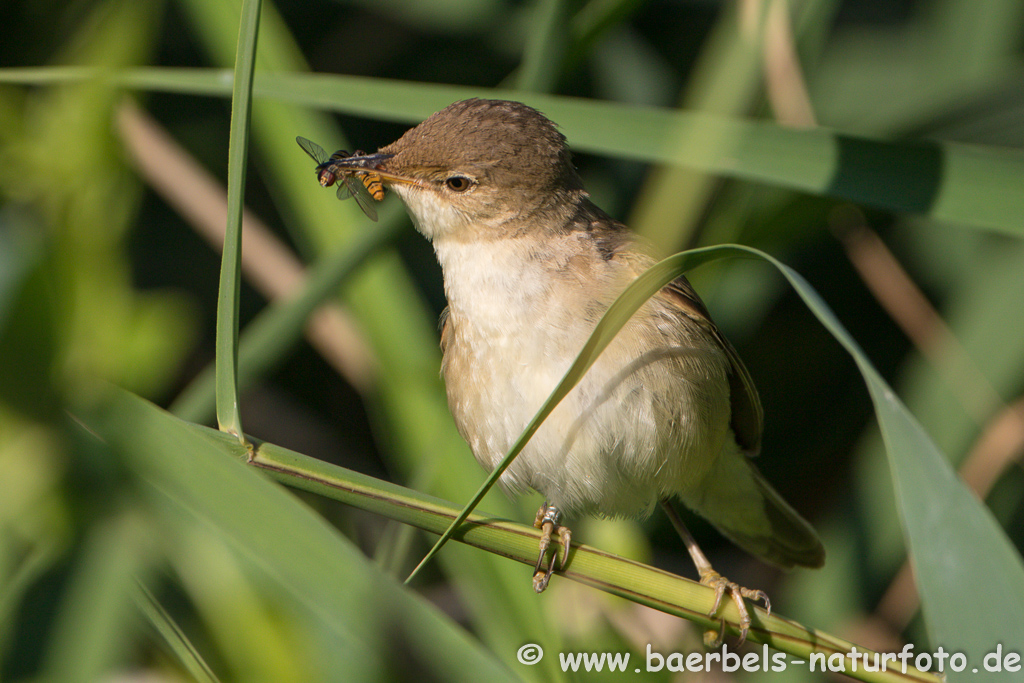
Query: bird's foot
[[549, 521], [722, 586]]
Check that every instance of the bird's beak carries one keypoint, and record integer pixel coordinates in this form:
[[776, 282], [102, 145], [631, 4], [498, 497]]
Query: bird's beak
[[377, 163]]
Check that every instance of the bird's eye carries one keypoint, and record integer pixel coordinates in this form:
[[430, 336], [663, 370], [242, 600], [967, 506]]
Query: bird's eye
[[458, 183]]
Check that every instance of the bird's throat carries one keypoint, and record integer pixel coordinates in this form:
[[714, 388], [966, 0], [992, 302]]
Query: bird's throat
[[499, 285]]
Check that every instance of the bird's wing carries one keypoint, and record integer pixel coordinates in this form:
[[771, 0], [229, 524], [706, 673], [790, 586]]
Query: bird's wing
[[445, 328], [747, 414]]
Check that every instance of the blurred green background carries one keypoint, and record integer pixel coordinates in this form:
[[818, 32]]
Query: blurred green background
[[107, 277]]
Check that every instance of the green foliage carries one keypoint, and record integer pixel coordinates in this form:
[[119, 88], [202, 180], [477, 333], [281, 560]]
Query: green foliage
[[130, 540]]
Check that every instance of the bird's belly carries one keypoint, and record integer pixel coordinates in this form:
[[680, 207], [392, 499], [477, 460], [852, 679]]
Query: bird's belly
[[631, 432]]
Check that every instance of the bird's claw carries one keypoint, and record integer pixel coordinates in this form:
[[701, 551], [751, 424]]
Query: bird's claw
[[722, 586], [549, 521]]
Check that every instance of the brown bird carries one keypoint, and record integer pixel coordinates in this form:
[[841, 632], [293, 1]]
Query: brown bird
[[530, 265]]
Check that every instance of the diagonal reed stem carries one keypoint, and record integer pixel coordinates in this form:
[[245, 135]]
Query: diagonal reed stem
[[626, 578]]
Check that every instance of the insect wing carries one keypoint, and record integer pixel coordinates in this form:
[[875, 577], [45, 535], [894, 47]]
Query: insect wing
[[312, 149], [351, 187], [348, 186]]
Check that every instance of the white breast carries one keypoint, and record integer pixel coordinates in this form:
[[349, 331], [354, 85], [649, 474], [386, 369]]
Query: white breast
[[641, 424]]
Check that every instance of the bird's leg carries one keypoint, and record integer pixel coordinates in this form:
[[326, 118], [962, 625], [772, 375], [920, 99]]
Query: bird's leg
[[549, 521], [722, 585]]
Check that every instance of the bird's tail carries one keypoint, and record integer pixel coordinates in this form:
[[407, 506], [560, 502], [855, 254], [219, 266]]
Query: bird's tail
[[740, 503]]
